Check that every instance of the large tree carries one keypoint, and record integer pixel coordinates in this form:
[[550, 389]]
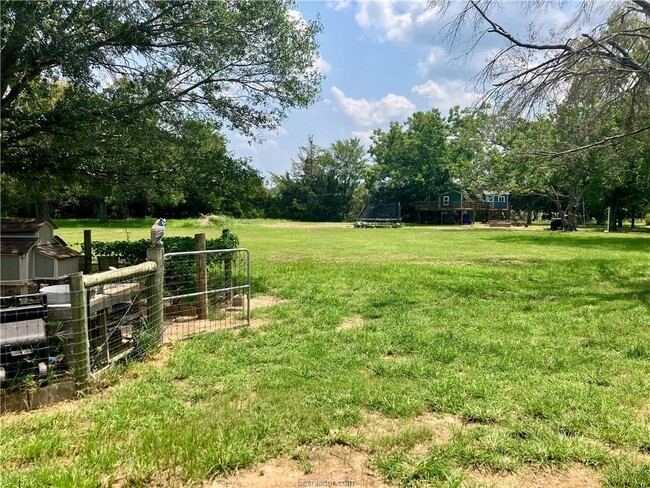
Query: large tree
[[609, 52], [73, 72], [410, 160], [322, 182]]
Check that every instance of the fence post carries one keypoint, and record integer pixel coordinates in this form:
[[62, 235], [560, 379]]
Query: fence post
[[227, 269], [88, 251], [154, 284], [201, 278], [80, 357]]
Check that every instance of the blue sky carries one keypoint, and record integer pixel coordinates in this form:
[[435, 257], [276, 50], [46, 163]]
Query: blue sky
[[382, 61]]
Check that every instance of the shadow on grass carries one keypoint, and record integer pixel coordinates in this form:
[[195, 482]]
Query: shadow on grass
[[109, 224], [608, 242]]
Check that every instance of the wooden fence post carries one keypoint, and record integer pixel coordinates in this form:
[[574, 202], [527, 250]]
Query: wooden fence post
[[154, 293], [80, 358], [201, 278], [88, 251]]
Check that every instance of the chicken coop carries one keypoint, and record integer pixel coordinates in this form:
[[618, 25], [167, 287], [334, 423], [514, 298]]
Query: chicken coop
[[30, 253]]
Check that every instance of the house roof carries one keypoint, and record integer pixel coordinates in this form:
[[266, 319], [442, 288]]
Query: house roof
[[24, 225], [57, 251], [17, 245], [496, 193]]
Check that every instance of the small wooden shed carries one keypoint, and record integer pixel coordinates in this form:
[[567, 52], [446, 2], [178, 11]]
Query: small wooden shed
[[29, 252]]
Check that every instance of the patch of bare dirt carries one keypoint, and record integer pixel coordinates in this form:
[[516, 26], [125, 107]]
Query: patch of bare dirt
[[377, 429], [323, 466], [354, 322], [309, 225], [576, 476], [183, 326], [204, 220], [262, 301]]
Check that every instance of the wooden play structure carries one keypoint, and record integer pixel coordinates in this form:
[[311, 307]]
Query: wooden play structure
[[453, 208]]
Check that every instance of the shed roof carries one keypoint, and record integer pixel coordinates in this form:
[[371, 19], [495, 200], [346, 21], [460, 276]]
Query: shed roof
[[17, 245], [24, 225], [57, 251]]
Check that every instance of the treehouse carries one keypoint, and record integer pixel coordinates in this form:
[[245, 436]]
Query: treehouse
[[453, 207]]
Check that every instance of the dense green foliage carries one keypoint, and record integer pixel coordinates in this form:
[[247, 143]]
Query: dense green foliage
[[440, 354], [117, 109], [322, 183], [105, 103], [134, 252]]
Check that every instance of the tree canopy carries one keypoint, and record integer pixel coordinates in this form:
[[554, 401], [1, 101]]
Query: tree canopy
[[99, 94], [322, 183]]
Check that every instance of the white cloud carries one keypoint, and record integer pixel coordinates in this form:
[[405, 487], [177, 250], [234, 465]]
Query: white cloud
[[322, 66], [339, 4], [430, 90], [447, 94], [435, 56], [363, 136], [296, 16], [373, 112], [397, 21]]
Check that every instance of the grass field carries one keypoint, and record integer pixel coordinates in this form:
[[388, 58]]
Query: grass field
[[444, 356]]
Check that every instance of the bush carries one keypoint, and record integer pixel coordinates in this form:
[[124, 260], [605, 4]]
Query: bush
[[134, 252]]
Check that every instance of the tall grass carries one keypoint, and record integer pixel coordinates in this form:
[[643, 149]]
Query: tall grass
[[537, 342]]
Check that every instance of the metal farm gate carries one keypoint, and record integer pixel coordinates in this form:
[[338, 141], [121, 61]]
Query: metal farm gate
[[206, 291]]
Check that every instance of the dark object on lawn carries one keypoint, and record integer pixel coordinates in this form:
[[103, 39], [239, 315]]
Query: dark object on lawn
[[556, 224], [467, 220], [380, 215]]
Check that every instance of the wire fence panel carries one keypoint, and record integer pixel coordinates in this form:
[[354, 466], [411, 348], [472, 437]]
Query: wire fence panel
[[32, 346], [75, 329], [205, 291], [118, 321]]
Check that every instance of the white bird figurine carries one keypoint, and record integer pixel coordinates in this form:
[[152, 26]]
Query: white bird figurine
[[157, 232]]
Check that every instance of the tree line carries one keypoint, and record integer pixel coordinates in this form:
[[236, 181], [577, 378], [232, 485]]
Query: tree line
[[472, 150]]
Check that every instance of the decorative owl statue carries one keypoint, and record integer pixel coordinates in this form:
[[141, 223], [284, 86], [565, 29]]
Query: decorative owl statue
[[157, 232]]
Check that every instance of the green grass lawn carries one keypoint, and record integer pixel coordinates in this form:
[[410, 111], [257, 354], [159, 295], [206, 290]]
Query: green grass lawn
[[537, 342]]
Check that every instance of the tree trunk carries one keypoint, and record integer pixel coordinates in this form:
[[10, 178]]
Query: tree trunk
[[101, 210], [633, 215], [571, 216], [529, 215]]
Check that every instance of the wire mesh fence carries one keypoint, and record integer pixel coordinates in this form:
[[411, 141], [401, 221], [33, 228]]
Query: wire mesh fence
[[31, 346], [79, 327], [68, 331], [118, 320], [206, 291]]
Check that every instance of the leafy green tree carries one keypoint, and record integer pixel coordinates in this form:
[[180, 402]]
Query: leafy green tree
[[474, 154], [94, 94], [410, 160], [322, 183]]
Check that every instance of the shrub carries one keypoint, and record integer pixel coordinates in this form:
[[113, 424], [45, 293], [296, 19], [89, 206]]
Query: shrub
[[134, 252]]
